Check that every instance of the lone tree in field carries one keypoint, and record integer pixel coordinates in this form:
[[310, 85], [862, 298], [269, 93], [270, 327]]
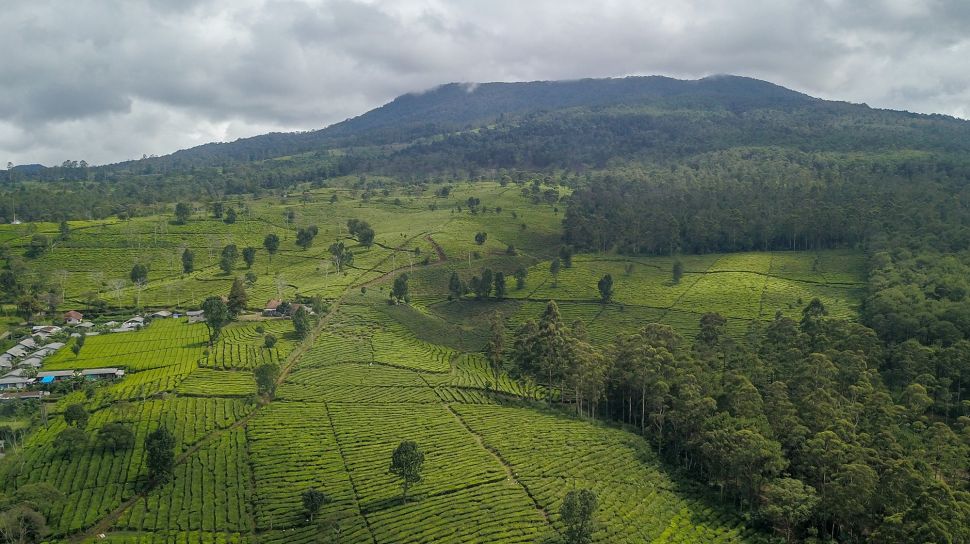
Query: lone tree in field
[[266, 376], [227, 261], [249, 256], [605, 287], [362, 231], [313, 501], [237, 298], [678, 271], [160, 452], [302, 322], [188, 261], [577, 511], [406, 463], [230, 216], [520, 274], [500, 288], [495, 348], [139, 274], [455, 287], [480, 237], [272, 245], [70, 441], [78, 344], [554, 267], [399, 292], [217, 209], [116, 437], [76, 416], [216, 317], [566, 256], [182, 212]]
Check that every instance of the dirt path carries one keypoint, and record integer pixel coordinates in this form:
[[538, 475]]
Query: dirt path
[[105, 524], [442, 259], [510, 474], [437, 249]]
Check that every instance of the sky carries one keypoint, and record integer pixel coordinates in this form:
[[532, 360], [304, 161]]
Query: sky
[[112, 80]]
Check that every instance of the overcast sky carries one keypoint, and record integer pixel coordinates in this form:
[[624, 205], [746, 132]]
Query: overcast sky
[[111, 80]]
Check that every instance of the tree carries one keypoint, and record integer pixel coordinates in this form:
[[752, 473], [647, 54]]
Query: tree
[[482, 286], [230, 216], [269, 340], [188, 261], [139, 274], [64, 230], [520, 274], [22, 524], [399, 292], [272, 244], [160, 454], [678, 271], [500, 288], [78, 344], [786, 503], [342, 256], [27, 306], [566, 256], [407, 461], [302, 322], [605, 287], [495, 348], [266, 376], [182, 212], [39, 244], [227, 261], [554, 268], [217, 209], [115, 437], [76, 416], [249, 256], [313, 501], [70, 441], [480, 237], [455, 286], [216, 317], [237, 298], [304, 238], [578, 512]]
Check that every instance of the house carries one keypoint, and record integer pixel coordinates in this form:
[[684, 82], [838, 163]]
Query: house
[[73, 317], [86, 324], [15, 380], [6, 361], [88, 373], [17, 351], [162, 314], [32, 361], [54, 346], [28, 343], [272, 308], [45, 329], [111, 324], [23, 395], [136, 321], [195, 316]]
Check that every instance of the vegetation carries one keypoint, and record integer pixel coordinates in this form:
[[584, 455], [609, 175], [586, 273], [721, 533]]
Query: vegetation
[[407, 462]]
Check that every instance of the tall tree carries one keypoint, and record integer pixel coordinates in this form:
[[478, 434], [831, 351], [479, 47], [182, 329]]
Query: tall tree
[[407, 462], [399, 291], [495, 348], [677, 271], [267, 375], [554, 268], [302, 323], [455, 287], [578, 513], [500, 289], [182, 212], [313, 501], [139, 274], [188, 261], [272, 244], [237, 298], [216, 317], [605, 287], [249, 256], [160, 454], [227, 261]]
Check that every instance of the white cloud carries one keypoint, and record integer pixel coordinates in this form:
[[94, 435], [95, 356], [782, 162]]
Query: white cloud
[[108, 81]]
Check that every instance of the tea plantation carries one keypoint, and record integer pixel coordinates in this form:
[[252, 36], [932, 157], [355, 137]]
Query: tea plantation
[[498, 458]]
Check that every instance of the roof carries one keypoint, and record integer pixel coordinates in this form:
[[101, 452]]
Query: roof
[[193, 313], [272, 304], [73, 315], [32, 361], [14, 380], [47, 379], [136, 319], [17, 351], [28, 342], [86, 324], [24, 395], [55, 345], [162, 313], [84, 372]]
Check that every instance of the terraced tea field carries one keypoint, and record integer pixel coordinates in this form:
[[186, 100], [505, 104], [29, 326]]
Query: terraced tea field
[[498, 461]]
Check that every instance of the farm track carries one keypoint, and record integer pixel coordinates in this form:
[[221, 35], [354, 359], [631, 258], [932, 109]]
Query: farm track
[[104, 524], [510, 474], [442, 259]]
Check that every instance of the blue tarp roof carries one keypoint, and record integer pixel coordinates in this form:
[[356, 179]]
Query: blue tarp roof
[[47, 379]]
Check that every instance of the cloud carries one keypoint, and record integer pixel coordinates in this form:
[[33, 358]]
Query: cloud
[[112, 80]]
